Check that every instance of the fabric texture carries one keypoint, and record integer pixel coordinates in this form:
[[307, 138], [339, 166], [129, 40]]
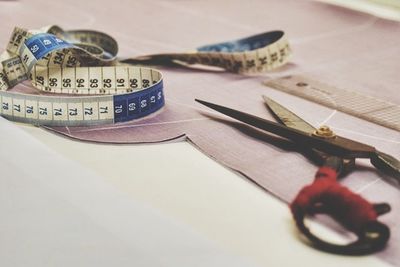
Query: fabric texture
[[340, 47]]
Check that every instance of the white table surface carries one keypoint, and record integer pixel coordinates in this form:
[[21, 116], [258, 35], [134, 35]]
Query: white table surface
[[188, 187]]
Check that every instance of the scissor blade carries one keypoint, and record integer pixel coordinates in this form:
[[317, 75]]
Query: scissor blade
[[287, 117], [381, 161], [338, 146]]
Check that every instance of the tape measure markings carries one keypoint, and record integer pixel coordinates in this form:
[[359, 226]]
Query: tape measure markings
[[94, 80], [83, 64], [73, 110], [57, 111], [232, 55]]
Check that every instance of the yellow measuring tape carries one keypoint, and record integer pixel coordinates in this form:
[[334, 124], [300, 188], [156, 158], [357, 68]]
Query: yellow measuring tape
[[80, 82]]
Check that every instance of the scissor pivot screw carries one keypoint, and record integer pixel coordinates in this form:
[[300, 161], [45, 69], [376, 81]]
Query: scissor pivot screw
[[324, 132]]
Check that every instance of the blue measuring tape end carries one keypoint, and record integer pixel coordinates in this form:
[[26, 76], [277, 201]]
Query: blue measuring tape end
[[42, 44], [138, 104], [245, 44]]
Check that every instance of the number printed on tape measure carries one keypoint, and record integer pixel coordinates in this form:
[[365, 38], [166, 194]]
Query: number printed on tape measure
[[100, 94], [94, 88]]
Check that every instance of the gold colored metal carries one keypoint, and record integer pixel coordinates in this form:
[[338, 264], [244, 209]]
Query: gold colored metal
[[324, 132]]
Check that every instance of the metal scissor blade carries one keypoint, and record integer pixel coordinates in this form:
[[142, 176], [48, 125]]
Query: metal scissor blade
[[381, 161], [338, 146], [287, 117]]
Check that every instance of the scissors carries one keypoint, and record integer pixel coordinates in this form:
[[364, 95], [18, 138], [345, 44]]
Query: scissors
[[336, 156]]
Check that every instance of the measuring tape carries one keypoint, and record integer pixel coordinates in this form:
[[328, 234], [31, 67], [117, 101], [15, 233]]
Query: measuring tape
[[359, 105], [254, 54], [81, 83], [81, 64]]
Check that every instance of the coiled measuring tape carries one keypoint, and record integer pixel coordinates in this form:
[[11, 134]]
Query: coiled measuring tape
[[81, 83]]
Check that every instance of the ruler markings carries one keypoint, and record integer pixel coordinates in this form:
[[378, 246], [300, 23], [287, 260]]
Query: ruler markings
[[362, 106]]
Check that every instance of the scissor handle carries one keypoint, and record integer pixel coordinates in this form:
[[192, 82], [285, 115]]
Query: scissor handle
[[387, 164], [326, 196]]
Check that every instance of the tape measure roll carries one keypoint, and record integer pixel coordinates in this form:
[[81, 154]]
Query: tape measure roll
[[79, 63], [83, 83]]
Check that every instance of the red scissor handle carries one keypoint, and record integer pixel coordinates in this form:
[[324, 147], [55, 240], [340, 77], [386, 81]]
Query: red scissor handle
[[325, 195]]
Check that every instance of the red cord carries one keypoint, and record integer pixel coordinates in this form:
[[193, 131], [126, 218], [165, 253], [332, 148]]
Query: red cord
[[327, 195]]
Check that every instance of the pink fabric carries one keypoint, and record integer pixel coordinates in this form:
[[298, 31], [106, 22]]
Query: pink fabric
[[334, 45]]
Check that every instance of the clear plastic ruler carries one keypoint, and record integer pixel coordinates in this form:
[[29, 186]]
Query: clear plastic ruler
[[359, 105]]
